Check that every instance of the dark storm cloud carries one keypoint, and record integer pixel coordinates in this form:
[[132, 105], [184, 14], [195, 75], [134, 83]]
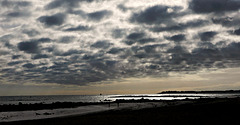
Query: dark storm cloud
[[232, 51], [178, 50], [16, 56], [28, 47], [138, 37], [78, 57], [14, 63], [135, 36], [115, 50], [146, 40], [155, 15], [10, 3], [96, 68], [28, 65], [216, 6], [140, 41], [92, 16], [227, 21], [65, 3], [73, 78], [207, 36], [32, 46], [177, 38], [40, 56], [101, 64], [71, 52], [129, 42], [206, 56], [207, 45], [18, 14], [43, 40], [237, 31], [79, 28], [56, 19], [181, 26], [101, 44], [144, 52], [99, 15]]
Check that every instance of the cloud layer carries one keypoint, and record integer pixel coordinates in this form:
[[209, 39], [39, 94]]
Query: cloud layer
[[87, 42]]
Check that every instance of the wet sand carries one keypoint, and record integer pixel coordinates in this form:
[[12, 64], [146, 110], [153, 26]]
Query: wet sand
[[198, 112]]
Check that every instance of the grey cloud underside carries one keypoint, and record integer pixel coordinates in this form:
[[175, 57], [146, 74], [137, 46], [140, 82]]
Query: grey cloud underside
[[237, 32], [14, 63], [156, 15], [177, 38], [101, 44], [181, 26], [18, 14], [8, 3], [207, 36], [99, 15], [29, 47], [79, 28], [90, 68], [28, 65], [40, 56], [135, 36], [16, 56], [64, 3], [227, 21], [56, 19], [93, 49], [207, 56], [138, 37], [92, 16], [216, 6], [32, 46]]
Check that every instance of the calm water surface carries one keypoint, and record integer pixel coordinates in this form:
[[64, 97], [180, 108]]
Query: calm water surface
[[99, 98]]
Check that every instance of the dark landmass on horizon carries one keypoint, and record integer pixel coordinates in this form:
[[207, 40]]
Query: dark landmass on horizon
[[158, 96], [202, 92]]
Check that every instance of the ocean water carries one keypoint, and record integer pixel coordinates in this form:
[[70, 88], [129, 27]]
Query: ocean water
[[100, 98]]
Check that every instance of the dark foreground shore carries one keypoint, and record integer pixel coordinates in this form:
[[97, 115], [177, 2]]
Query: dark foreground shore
[[199, 112]]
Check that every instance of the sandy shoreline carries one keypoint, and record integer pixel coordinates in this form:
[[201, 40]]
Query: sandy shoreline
[[43, 114], [81, 110], [206, 111]]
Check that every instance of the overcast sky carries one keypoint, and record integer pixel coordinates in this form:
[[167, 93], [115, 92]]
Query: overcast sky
[[118, 46]]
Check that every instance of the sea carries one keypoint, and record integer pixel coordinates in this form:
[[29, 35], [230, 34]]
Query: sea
[[47, 99]]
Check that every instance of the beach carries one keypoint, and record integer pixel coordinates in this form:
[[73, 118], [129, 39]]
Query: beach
[[23, 112], [201, 111]]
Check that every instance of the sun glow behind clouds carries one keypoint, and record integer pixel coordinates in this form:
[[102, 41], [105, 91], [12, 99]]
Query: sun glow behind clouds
[[204, 80]]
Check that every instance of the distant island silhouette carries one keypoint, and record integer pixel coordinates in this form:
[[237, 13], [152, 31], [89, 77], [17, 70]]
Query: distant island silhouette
[[202, 92]]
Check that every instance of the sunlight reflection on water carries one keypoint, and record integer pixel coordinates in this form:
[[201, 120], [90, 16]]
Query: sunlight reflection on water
[[99, 98]]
